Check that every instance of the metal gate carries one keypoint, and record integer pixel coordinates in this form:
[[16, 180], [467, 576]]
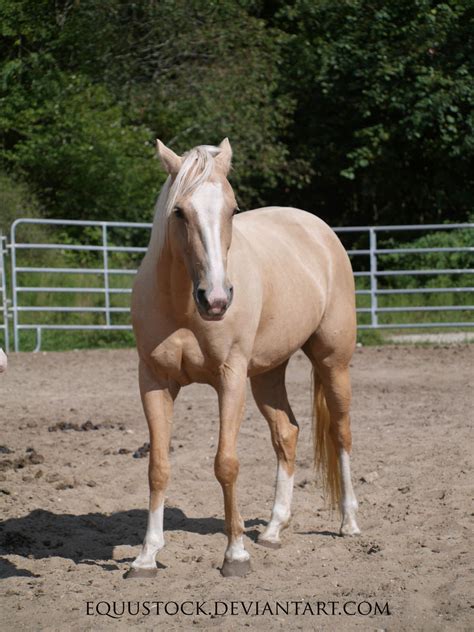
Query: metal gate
[[380, 275], [90, 284], [81, 279]]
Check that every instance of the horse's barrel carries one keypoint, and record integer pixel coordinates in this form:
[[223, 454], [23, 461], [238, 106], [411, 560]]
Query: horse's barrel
[[3, 361]]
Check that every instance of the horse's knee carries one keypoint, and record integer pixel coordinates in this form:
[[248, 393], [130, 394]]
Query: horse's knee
[[158, 474], [226, 467]]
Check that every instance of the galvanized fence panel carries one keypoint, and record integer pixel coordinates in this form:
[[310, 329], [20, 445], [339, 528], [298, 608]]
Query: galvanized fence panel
[[52, 280], [3, 294], [109, 278], [378, 274]]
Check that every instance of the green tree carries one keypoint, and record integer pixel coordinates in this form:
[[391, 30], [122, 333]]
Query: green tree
[[384, 114], [87, 86], [359, 111]]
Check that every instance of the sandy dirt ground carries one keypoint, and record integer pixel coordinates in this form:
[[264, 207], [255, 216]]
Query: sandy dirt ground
[[74, 500]]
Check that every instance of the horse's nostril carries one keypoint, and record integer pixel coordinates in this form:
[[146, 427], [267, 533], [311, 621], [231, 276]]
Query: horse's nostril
[[201, 298]]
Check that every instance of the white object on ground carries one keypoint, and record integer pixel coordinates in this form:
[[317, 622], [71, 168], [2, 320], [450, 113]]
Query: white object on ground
[[3, 361]]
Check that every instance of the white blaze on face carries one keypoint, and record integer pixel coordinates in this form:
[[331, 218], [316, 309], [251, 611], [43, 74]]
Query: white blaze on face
[[208, 200]]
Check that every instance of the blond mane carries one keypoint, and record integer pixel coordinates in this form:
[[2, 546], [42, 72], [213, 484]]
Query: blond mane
[[196, 168]]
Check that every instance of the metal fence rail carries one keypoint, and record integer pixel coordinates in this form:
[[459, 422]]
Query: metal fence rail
[[103, 271], [376, 273], [40, 286]]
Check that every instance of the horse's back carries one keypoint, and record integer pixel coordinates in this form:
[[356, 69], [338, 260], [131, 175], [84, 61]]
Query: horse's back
[[273, 218], [298, 246]]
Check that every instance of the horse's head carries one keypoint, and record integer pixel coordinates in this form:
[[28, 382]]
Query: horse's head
[[198, 211]]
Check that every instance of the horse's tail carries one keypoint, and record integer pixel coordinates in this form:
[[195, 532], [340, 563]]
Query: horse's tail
[[325, 452]]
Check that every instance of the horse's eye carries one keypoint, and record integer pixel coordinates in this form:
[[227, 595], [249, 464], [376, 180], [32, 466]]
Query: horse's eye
[[178, 211]]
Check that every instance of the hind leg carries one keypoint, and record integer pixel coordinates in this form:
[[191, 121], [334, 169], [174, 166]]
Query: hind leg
[[270, 396], [331, 369], [337, 389]]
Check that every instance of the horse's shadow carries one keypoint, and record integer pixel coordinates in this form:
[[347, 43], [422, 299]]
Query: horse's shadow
[[89, 538]]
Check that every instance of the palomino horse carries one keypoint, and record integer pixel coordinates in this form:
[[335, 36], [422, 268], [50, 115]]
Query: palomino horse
[[220, 297]]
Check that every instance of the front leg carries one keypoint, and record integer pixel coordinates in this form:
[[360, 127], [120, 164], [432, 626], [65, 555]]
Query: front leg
[[157, 398], [231, 392]]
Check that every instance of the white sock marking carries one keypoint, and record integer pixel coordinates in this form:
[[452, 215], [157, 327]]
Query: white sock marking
[[281, 511], [154, 540], [348, 502], [236, 552]]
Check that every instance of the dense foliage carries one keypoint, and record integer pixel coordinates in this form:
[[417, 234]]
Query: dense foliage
[[384, 115], [359, 111]]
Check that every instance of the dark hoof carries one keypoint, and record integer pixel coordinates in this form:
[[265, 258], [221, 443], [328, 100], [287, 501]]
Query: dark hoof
[[140, 573], [269, 544], [235, 569]]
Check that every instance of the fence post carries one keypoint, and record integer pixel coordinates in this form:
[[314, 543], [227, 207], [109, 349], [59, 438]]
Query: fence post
[[16, 337], [3, 286], [106, 274], [373, 277]]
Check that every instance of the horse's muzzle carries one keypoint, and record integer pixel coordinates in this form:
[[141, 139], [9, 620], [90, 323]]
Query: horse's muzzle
[[213, 304]]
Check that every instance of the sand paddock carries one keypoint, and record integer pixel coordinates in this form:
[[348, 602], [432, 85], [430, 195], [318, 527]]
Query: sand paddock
[[74, 497]]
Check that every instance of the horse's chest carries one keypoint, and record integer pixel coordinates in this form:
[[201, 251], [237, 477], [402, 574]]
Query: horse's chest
[[181, 358]]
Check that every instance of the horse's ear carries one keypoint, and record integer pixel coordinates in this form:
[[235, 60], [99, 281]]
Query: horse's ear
[[171, 162], [224, 157]]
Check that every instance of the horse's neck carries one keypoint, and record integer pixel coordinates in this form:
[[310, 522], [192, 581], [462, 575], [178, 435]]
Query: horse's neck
[[173, 281]]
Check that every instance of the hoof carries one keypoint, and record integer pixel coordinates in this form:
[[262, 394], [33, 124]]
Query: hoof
[[235, 568], [348, 531], [270, 544], [140, 573]]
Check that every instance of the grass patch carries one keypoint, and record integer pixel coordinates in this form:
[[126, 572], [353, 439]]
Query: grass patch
[[370, 337], [68, 340]]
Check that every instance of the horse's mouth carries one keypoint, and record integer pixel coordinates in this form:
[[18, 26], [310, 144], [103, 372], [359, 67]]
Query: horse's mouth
[[212, 317]]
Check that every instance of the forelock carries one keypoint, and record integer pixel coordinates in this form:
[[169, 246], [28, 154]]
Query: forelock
[[197, 167]]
